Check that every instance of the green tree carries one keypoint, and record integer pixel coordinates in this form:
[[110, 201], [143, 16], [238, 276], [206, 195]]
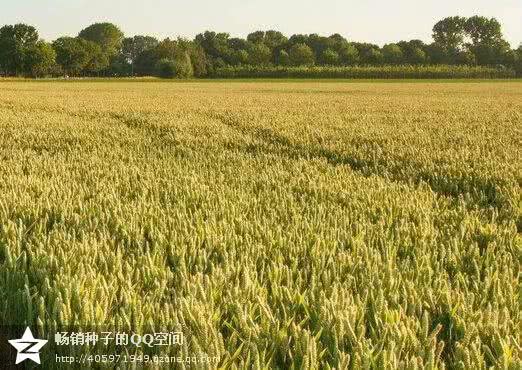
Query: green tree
[[71, 55], [297, 39], [437, 54], [196, 56], [466, 57], [184, 66], [132, 47], [487, 41], [482, 30], [413, 51], [216, 47], [349, 55], [274, 39], [76, 55], [240, 57], [145, 63], [518, 61], [179, 67], [237, 43], [330, 57], [450, 33], [198, 59], [392, 54], [256, 37], [259, 55], [319, 44], [373, 56], [337, 42], [301, 55], [417, 56], [107, 35], [15, 43], [98, 59], [166, 68], [283, 59], [40, 59], [368, 53], [168, 49], [491, 53]]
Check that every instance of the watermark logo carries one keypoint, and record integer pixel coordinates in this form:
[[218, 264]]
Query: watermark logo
[[27, 347]]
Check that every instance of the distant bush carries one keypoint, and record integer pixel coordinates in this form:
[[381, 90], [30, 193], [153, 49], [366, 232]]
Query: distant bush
[[365, 72], [180, 67], [166, 68]]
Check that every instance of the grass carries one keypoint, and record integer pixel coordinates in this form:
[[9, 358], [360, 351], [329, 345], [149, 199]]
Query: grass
[[289, 225]]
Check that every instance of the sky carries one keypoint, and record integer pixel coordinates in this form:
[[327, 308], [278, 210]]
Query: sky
[[374, 21]]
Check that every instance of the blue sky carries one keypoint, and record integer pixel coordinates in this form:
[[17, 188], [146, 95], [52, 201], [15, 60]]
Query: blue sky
[[371, 20]]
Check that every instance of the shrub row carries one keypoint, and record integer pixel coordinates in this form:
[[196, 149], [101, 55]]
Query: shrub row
[[365, 72]]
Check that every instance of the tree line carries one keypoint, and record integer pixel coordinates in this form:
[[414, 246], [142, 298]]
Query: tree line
[[102, 49]]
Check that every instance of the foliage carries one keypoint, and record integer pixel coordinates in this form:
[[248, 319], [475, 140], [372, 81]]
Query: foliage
[[330, 57], [449, 33], [466, 58], [414, 51], [16, 42], [107, 35], [276, 225], [79, 56], [166, 68], [133, 47], [259, 55], [40, 60], [349, 55], [392, 54], [179, 66], [283, 58], [372, 56], [301, 55], [517, 58], [364, 72], [457, 41]]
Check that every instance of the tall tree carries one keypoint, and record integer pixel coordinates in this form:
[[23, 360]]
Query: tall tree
[[98, 59], [107, 35], [256, 37], [259, 55], [40, 59], [76, 55], [330, 57], [134, 46], [297, 39], [301, 55], [274, 39], [239, 51], [215, 44], [518, 61], [15, 42], [482, 30], [487, 42], [196, 55], [449, 33], [319, 44], [368, 53], [437, 54], [283, 59], [349, 55], [392, 54], [145, 63], [414, 51]]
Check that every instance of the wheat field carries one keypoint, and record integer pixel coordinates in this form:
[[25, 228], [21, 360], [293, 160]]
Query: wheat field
[[290, 225]]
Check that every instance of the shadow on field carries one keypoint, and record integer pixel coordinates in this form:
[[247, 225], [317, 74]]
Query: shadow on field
[[485, 193]]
